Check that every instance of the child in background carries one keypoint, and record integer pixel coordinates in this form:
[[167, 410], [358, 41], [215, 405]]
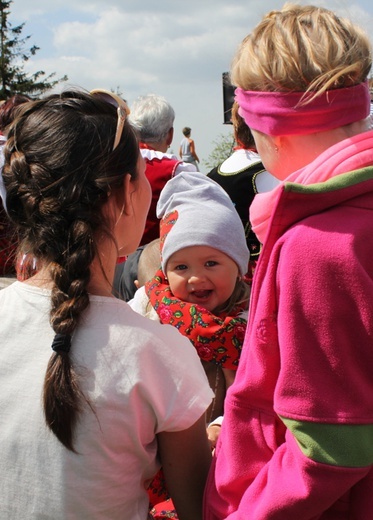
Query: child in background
[[149, 262], [199, 288], [187, 150]]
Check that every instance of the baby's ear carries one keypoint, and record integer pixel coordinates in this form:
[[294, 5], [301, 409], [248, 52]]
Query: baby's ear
[[137, 285]]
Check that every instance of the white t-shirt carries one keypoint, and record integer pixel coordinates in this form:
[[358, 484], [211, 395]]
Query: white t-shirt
[[140, 377]]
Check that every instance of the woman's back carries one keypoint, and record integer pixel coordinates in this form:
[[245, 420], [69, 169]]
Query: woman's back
[[94, 397], [122, 363]]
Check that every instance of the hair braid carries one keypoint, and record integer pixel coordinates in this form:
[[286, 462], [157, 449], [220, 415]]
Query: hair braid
[[59, 169], [62, 395]]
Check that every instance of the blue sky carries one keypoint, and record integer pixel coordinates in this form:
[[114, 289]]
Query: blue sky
[[173, 48]]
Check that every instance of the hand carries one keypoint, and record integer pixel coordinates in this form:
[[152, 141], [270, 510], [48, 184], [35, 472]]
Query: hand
[[213, 433]]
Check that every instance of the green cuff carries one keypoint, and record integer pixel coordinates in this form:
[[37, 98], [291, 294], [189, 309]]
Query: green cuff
[[336, 444]]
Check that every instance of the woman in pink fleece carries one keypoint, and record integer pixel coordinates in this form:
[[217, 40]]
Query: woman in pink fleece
[[297, 437]]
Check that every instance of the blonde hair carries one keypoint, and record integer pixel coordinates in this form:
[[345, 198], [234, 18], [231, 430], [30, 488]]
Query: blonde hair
[[302, 48]]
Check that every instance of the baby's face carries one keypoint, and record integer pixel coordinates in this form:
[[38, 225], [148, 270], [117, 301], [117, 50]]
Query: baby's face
[[202, 275]]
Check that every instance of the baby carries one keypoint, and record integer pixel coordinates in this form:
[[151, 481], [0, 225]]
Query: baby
[[199, 288]]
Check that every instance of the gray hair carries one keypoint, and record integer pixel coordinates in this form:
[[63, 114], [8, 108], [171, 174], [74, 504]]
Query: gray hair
[[152, 116]]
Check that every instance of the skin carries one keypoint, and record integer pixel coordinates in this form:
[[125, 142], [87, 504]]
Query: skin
[[283, 155], [127, 210], [213, 433], [192, 149], [202, 275], [185, 476], [186, 459], [206, 276]]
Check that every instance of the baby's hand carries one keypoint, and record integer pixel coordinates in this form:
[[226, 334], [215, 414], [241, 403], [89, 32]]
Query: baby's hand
[[213, 432]]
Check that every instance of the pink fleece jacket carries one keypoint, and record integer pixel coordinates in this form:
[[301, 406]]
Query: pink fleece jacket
[[297, 437]]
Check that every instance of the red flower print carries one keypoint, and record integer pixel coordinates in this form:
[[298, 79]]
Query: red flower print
[[204, 352], [165, 313]]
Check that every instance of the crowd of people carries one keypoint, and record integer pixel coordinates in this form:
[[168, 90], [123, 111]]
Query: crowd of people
[[185, 344]]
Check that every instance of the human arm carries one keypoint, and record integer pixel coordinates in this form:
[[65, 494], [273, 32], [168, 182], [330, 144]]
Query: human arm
[[229, 376], [217, 339], [186, 457], [323, 384], [193, 150]]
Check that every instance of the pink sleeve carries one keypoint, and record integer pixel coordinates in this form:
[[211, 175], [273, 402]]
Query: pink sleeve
[[281, 491]]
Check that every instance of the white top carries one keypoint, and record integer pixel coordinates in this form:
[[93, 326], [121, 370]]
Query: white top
[[141, 378], [140, 303], [154, 154], [238, 160], [242, 158]]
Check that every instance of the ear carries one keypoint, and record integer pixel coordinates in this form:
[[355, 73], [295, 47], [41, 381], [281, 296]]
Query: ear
[[170, 136], [128, 188], [279, 141]]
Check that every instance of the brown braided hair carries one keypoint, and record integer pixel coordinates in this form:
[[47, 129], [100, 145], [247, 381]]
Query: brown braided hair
[[59, 171]]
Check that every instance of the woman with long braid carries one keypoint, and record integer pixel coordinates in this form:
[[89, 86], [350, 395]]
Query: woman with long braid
[[94, 397]]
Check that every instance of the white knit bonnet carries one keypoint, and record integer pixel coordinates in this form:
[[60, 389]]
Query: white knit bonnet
[[194, 210]]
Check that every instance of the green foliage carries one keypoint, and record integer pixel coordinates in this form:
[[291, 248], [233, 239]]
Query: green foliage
[[223, 148], [13, 78]]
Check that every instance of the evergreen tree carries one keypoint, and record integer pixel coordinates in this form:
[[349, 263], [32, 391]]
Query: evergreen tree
[[13, 78]]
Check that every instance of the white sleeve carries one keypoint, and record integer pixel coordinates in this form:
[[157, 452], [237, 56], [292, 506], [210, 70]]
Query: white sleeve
[[172, 379], [217, 422]]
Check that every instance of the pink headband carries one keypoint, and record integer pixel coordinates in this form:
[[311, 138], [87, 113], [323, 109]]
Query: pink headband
[[278, 113]]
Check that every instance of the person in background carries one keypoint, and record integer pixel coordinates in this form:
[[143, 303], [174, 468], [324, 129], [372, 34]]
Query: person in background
[[242, 175], [297, 438], [144, 262], [125, 276], [103, 391], [187, 150], [153, 117], [8, 241]]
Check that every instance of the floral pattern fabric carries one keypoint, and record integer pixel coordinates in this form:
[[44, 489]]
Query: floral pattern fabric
[[217, 339]]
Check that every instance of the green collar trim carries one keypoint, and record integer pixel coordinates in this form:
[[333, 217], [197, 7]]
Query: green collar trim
[[338, 182]]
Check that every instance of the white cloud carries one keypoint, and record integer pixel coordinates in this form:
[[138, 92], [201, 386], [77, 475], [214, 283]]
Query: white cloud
[[172, 48]]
